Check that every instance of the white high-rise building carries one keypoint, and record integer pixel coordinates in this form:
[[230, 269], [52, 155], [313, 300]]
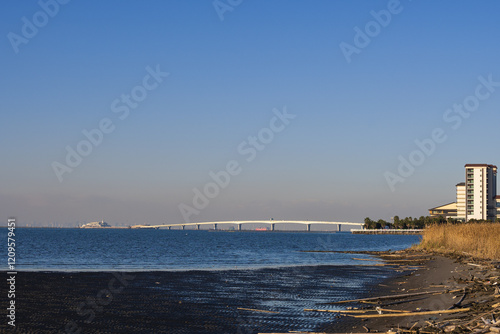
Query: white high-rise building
[[498, 207], [481, 188], [461, 214]]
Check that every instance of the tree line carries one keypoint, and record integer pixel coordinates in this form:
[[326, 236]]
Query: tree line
[[414, 223]]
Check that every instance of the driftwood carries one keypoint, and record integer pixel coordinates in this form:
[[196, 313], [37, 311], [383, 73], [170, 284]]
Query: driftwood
[[475, 265], [405, 255], [410, 260], [394, 296], [336, 311], [410, 314], [378, 309], [389, 310], [413, 325], [457, 304]]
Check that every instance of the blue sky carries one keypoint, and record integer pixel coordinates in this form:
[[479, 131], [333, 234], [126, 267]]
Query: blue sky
[[353, 119]]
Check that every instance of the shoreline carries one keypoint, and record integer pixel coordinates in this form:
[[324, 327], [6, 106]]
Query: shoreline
[[464, 285], [268, 300]]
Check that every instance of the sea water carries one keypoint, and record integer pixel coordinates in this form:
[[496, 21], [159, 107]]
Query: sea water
[[51, 249]]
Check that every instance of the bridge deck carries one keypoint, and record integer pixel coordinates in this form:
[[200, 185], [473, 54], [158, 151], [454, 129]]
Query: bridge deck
[[303, 222]]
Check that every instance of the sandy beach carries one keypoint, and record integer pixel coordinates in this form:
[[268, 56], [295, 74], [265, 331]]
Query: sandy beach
[[465, 298]]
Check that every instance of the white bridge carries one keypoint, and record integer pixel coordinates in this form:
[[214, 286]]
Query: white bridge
[[273, 223]]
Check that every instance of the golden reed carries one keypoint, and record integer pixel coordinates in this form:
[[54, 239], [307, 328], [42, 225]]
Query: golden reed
[[480, 240]]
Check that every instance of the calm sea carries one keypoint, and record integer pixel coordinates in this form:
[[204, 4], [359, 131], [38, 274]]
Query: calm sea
[[116, 249]]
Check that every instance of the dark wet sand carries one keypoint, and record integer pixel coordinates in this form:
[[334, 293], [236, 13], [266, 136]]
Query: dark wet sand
[[184, 302], [231, 301]]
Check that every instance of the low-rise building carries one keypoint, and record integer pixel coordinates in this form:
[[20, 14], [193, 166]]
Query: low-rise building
[[446, 211]]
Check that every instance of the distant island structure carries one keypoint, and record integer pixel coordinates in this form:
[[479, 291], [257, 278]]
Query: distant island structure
[[101, 224], [476, 198]]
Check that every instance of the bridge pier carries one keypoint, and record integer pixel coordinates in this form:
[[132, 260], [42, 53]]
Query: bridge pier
[[272, 227], [215, 227], [198, 226], [239, 227], [170, 227], [183, 227], [308, 227], [340, 227]]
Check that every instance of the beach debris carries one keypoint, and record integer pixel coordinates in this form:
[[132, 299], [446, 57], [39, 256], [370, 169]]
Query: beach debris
[[472, 294], [381, 310], [413, 325], [410, 314], [457, 304], [449, 328]]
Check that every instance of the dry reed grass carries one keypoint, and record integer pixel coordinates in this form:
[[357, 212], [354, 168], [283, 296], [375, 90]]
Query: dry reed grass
[[480, 240]]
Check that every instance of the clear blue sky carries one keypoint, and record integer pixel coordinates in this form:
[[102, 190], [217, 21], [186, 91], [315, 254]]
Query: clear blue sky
[[353, 119]]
